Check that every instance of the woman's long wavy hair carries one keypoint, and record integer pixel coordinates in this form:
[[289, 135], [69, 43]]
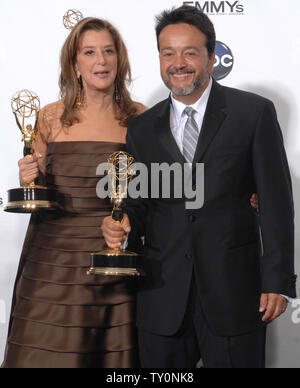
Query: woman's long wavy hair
[[125, 108]]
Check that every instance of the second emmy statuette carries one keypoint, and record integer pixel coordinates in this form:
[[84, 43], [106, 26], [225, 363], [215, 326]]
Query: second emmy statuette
[[117, 262], [29, 198]]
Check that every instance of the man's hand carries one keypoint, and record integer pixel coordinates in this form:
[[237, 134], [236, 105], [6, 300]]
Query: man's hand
[[113, 233], [254, 202], [273, 305]]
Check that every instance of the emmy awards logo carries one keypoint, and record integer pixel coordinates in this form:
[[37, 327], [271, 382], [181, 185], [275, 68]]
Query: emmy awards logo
[[117, 262], [26, 106], [72, 18]]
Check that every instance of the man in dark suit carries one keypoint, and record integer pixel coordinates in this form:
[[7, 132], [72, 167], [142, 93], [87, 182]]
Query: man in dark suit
[[215, 275]]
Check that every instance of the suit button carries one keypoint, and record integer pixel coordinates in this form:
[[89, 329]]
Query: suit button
[[189, 257], [192, 218]]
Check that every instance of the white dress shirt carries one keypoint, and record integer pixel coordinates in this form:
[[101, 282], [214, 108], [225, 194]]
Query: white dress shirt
[[178, 118]]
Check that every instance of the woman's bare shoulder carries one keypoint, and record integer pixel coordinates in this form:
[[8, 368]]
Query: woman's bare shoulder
[[51, 113], [53, 108]]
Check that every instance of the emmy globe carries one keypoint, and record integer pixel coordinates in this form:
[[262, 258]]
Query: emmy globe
[[72, 18]]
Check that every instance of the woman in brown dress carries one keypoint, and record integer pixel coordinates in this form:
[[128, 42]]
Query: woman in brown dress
[[62, 318]]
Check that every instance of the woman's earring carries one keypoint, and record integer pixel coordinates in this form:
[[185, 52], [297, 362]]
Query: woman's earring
[[79, 89], [117, 92]]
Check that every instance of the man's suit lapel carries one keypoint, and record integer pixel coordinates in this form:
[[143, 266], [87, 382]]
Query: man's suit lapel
[[213, 119], [164, 134]]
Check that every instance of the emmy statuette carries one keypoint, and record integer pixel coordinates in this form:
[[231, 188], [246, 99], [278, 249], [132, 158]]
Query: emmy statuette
[[29, 198], [117, 262]]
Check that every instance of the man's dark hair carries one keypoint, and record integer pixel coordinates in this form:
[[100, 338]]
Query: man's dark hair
[[188, 15]]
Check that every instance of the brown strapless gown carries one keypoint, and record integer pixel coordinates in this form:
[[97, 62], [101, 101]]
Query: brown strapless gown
[[62, 318]]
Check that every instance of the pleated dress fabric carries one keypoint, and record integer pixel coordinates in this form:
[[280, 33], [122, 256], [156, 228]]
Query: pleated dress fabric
[[61, 317]]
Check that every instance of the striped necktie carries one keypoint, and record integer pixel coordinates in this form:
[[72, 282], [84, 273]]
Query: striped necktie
[[191, 135]]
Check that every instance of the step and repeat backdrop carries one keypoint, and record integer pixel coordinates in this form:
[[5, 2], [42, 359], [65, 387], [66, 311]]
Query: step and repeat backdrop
[[258, 50]]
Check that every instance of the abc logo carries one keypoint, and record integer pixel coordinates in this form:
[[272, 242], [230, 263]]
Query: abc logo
[[224, 61]]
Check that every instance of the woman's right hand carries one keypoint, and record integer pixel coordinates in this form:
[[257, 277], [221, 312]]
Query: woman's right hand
[[29, 168]]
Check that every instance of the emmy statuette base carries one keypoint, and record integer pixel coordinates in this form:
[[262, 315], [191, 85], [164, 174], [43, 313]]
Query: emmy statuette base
[[114, 272], [31, 199], [115, 262]]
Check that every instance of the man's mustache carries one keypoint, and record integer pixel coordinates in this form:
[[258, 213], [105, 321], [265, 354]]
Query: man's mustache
[[181, 71]]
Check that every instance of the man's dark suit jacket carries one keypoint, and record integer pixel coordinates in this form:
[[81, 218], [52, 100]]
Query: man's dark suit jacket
[[242, 148]]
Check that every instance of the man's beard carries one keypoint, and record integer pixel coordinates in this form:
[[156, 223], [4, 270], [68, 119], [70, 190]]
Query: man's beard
[[196, 84]]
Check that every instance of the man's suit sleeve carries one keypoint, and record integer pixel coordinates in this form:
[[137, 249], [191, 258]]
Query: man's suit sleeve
[[274, 188]]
